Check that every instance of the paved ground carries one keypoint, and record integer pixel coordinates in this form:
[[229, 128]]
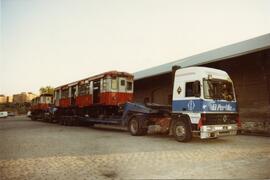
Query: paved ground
[[37, 150]]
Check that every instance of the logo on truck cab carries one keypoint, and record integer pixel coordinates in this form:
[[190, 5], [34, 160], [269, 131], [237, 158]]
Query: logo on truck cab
[[191, 105], [179, 90], [216, 106]]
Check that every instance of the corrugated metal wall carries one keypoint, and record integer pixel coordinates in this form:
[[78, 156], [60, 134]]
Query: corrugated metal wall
[[156, 89]]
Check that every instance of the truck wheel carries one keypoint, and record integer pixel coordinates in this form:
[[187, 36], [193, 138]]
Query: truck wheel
[[135, 127], [181, 131]]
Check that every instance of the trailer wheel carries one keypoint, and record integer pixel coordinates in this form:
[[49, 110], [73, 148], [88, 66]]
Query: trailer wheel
[[135, 128], [61, 121], [91, 124], [181, 131], [71, 122]]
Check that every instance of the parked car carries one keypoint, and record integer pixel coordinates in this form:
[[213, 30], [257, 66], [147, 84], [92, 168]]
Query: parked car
[[3, 114], [29, 114]]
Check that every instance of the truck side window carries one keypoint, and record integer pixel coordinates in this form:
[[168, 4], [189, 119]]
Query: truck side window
[[189, 89], [193, 89]]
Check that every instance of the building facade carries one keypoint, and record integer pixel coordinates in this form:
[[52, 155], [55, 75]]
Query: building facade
[[23, 97], [3, 99]]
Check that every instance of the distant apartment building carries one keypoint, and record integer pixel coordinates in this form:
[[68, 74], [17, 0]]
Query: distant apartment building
[[9, 99], [23, 97], [3, 99]]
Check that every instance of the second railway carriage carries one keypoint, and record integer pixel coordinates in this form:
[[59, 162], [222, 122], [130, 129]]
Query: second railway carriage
[[40, 105], [100, 95]]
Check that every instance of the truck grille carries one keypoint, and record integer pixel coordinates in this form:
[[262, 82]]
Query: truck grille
[[212, 119]]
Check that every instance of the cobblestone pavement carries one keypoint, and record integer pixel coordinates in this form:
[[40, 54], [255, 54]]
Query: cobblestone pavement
[[38, 150]]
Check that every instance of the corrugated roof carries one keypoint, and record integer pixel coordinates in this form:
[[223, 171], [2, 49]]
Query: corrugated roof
[[233, 50]]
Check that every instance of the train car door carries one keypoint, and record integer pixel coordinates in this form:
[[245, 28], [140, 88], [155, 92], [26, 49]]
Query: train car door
[[57, 95], [96, 91], [122, 84], [73, 95]]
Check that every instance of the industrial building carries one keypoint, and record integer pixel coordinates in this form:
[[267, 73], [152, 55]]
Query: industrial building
[[247, 63]]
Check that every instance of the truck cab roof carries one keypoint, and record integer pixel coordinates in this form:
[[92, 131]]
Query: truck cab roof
[[202, 72]]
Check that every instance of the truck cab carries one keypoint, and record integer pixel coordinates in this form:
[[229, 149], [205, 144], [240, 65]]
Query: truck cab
[[203, 104]]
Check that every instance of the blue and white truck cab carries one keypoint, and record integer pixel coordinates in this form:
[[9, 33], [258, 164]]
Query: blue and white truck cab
[[204, 104]]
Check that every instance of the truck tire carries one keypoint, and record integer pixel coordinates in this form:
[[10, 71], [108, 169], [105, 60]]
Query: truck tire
[[135, 128], [182, 131]]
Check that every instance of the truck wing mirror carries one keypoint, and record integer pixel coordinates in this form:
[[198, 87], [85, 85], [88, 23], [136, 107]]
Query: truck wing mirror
[[196, 89]]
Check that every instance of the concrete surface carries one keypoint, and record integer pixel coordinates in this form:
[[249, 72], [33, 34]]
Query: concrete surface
[[38, 150]]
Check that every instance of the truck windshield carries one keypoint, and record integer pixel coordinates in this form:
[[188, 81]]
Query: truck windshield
[[218, 89]]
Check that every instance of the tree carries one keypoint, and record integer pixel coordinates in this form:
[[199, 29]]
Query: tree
[[46, 90]]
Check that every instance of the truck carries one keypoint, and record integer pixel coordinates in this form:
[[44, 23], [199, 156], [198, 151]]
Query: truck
[[203, 105]]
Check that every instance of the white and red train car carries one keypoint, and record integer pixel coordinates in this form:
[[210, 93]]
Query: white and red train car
[[40, 105], [97, 95]]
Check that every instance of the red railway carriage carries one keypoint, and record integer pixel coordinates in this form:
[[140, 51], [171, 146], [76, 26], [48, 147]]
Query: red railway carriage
[[40, 104], [107, 90]]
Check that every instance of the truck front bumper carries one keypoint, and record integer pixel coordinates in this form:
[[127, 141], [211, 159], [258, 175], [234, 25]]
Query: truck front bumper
[[214, 131]]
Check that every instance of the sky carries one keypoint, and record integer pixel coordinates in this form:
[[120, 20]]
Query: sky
[[53, 42]]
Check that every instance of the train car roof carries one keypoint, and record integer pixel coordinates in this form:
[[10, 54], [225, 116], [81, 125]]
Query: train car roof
[[45, 94], [112, 73]]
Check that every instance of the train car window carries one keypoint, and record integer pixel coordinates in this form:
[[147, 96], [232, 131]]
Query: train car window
[[104, 87], [73, 91], [64, 93], [114, 84], [84, 89], [129, 86], [87, 88], [57, 94], [123, 82], [48, 100], [42, 99]]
